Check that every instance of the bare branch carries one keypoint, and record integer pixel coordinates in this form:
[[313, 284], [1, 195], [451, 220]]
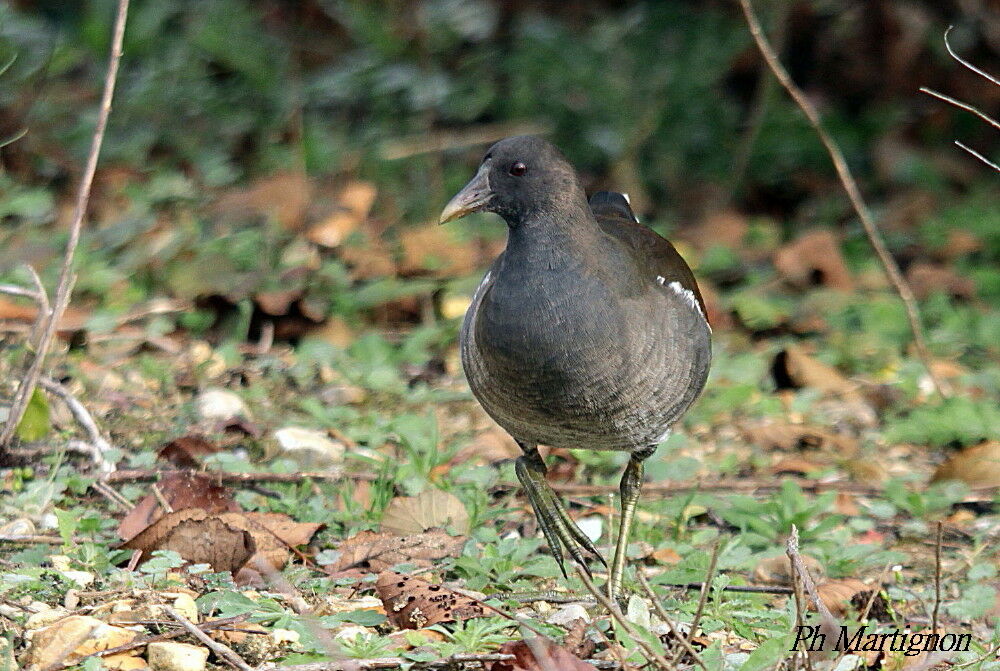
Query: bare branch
[[958, 103], [978, 155], [853, 193], [222, 651], [100, 446], [966, 63], [30, 379]]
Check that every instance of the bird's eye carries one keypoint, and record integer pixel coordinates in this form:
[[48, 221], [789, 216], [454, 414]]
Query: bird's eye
[[518, 169]]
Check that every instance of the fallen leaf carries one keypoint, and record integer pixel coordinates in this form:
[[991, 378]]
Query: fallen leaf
[[354, 202], [840, 594], [541, 654], [793, 368], [777, 570], [412, 603], [430, 509], [284, 197], [199, 537], [812, 259], [287, 530], [725, 228], [186, 451], [180, 491], [278, 302], [380, 551], [435, 250], [788, 436], [928, 278], [368, 259], [74, 637], [977, 466], [665, 556]]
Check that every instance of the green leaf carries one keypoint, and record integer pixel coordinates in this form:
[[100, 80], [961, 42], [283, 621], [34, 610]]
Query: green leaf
[[768, 654], [35, 423]]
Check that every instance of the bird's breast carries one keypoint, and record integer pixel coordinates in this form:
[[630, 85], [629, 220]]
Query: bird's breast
[[559, 359]]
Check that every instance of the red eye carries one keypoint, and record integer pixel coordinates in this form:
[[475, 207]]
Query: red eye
[[518, 169]]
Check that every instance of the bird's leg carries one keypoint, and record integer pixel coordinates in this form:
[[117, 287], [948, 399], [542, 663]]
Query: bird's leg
[[631, 486], [558, 527]]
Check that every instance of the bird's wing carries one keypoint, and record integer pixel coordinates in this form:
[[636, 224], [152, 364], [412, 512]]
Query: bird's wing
[[615, 215]]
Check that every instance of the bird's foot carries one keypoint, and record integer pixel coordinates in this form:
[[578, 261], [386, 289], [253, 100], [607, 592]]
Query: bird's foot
[[558, 527]]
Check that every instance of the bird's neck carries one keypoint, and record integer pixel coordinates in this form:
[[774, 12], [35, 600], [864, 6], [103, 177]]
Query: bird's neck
[[551, 241]]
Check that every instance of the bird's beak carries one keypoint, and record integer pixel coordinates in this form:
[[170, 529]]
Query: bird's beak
[[473, 197]]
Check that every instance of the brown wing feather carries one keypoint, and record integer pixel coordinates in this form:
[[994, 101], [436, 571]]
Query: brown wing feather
[[616, 218]]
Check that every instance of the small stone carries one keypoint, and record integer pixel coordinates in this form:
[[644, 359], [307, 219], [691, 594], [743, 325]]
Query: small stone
[[219, 404], [283, 636], [124, 662], [184, 604], [351, 632], [87, 633], [309, 448], [44, 618], [568, 614], [174, 656]]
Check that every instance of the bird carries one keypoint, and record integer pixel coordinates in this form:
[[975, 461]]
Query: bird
[[587, 332]]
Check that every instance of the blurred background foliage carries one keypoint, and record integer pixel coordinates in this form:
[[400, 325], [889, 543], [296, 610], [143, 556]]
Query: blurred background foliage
[[246, 133]]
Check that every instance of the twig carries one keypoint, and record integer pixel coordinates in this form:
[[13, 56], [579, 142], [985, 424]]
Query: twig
[[396, 662], [139, 475], [142, 641], [683, 640], [100, 446], [744, 589], [703, 598], [30, 379], [616, 614], [937, 581], [966, 63], [828, 626], [14, 290], [31, 539], [978, 155], [853, 193], [112, 496], [958, 103], [43, 304], [162, 500], [221, 650], [799, 610]]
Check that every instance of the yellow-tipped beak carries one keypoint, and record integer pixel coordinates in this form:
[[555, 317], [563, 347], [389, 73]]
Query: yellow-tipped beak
[[473, 197]]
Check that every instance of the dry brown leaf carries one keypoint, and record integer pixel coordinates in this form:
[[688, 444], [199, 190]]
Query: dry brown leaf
[[814, 258], [542, 654], [665, 556], [430, 509], [777, 570], [369, 259], [380, 551], [355, 201], [796, 465], [929, 278], [186, 451], [278, 302], [726, 228], [794, 368], [72, 638], [73, 319], [434, 250], [787, 436], [199, 537], [977, 466], [180, 491], [284, 196], [840, 594], [286, 529], [412, 603]]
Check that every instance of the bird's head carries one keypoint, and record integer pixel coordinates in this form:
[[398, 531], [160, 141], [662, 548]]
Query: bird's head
[[519, 177]]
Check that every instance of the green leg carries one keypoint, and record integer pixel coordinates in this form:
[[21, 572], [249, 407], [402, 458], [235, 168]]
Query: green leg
[[558, 527], [631, 486]]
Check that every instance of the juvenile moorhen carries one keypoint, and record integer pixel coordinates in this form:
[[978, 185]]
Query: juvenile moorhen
[[588, 331]]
